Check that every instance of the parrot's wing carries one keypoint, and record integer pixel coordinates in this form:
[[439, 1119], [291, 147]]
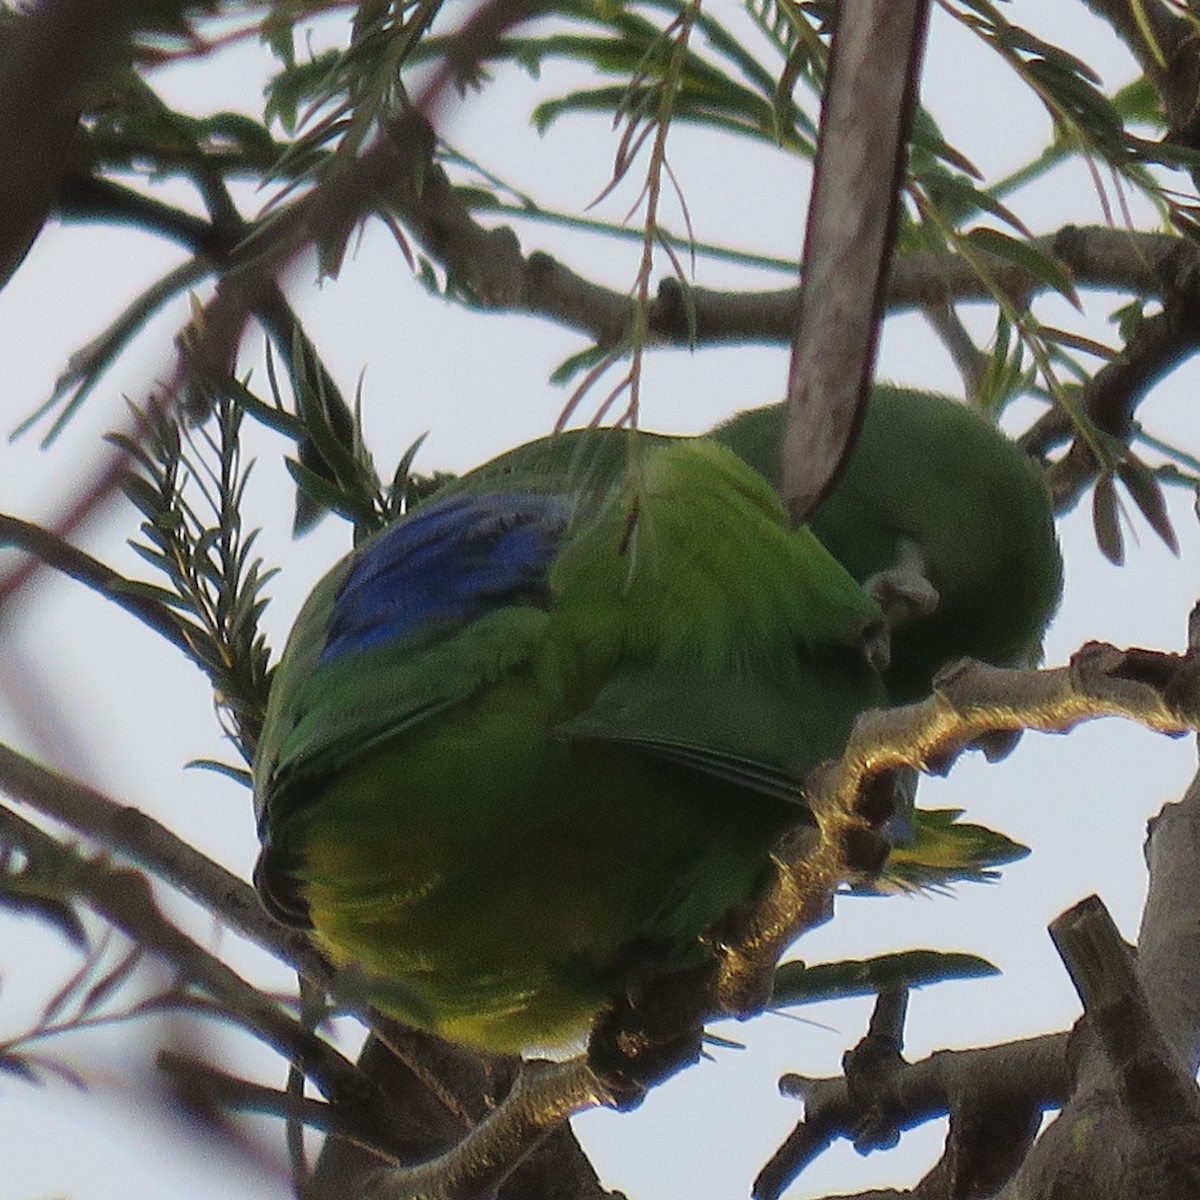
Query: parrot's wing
[[429, 611], [741, 641], [420, 618], [353, 706], [762, 735], [678, 719], [357, 704]]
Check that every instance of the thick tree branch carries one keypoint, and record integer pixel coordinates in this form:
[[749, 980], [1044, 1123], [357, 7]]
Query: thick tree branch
[[994, 1105], [1168, 962], [1098, 1147], [544, 1095], [53, 54], [1132, 1126], [491, 266], [1032, 1071], [1156, 1088], [970, 701]]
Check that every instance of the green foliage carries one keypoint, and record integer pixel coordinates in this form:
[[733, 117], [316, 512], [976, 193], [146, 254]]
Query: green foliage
[[190, 489], [1144, 488], [945, 851], [803, 983]]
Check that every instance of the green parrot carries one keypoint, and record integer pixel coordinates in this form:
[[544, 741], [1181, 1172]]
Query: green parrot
[[546, 728]]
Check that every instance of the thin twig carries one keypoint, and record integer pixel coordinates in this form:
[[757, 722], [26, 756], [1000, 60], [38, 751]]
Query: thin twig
[[139, 838], [123, 898], [53, 551]]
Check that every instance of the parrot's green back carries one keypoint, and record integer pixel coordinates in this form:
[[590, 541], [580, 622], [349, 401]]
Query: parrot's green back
[[545, 729], [928, 480]]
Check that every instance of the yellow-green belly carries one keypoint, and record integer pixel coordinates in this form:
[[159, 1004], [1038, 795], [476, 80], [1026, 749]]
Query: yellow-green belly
[[490, 881]]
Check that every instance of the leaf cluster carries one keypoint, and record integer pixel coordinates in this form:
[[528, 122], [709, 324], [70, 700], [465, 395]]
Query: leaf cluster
[[344, 75], [189, 486]]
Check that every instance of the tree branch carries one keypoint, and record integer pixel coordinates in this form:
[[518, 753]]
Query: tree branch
[[136, 836], [1132, 1125], [1157, 1089], [970, 701], [1096, 1147], [54, 53], [1108, 400], [93, 574], [490, 265], [195, 1076], [1032, 1070], [544, 1095], [123, 898]]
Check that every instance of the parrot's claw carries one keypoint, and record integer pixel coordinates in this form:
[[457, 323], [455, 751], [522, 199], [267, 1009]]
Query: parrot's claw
[[629, 1064], [903, 593], [655, 1029], [904, 590]]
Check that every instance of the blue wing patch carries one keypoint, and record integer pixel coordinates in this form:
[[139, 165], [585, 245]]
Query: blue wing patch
[[446, 565]]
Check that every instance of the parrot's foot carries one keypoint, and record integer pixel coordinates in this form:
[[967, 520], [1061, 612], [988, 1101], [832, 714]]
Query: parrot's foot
[[904, 591], [654, 1030]]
